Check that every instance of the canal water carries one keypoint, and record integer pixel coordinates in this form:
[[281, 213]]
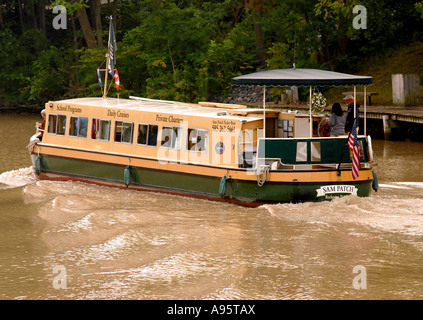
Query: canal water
[[67, 240]]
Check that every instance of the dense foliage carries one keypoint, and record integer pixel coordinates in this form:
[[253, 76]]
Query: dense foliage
[[186, 50]]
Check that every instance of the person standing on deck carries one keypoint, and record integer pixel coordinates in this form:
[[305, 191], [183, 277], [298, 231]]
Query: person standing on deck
[[41, 126], [349, 122], [337, 120]]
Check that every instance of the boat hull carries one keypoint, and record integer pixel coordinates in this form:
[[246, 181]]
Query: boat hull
[[241, 187]]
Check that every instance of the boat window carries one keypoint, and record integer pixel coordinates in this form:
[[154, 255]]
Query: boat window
[[78, 127], [100, 129], [56, 124], [286, 128], [197, 140], [301, 152], [123, 131], [171, 137], [147, 134], [315, 151]]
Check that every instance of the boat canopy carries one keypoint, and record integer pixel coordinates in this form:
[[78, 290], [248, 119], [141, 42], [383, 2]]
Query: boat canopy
[[300, 77], [303, 77]]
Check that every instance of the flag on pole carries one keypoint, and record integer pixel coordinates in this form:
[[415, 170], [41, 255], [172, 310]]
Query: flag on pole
[[112, 49], [116, 77], [355, 148], [99, 79]]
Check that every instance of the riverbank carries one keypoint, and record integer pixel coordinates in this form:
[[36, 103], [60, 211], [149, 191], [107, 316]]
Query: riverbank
[[11, 108]]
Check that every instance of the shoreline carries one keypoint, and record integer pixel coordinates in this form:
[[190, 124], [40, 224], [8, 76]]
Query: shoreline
[[17, 109]]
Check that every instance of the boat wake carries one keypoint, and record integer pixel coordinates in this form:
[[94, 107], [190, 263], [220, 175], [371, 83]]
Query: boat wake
[[398, 208], [114, 241], [17, 178]]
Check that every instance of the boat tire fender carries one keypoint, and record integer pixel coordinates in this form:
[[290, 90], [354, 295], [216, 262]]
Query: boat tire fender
[[37, 165], [127, 176], [222, 186], [375, 183]]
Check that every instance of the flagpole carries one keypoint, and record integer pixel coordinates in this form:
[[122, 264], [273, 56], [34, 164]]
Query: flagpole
[[105, 77], [355, 102], [111, 59], [342, 155], [111, 54]]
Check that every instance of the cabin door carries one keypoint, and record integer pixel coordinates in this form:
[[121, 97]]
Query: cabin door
[[271, 128], [302, 128]]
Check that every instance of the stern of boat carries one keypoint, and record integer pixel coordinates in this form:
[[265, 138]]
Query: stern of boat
[[309, 169]]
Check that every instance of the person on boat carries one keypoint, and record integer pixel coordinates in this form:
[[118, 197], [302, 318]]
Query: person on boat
[[349, 122], [40, 126], [166, 142], [200, 144], [337, 120]]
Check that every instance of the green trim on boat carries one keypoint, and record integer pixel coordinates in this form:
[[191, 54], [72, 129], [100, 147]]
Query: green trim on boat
[[207, 186]]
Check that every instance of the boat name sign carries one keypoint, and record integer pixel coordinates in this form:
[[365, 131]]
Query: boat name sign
[[68, 108], [336, 189], [118, 113], [167, 118]]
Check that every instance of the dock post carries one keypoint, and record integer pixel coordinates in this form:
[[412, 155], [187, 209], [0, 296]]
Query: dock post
[[405, 89], [386, 126]]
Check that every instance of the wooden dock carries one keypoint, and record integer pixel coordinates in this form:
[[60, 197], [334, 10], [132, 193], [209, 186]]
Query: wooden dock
[[406, 114], [395, 113]]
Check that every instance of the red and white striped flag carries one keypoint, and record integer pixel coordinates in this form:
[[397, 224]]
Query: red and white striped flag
[[353, 136], [116, 77], [355, 148]]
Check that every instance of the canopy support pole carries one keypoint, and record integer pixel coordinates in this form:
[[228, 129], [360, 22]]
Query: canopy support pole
[[311, 119], [264, 111], [355, 103], [365, 110]]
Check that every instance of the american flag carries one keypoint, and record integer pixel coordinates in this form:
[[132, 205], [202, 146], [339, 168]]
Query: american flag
[[355, 148], [112, 49]]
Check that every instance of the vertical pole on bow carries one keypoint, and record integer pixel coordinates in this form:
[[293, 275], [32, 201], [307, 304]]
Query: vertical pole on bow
[[105, 77]]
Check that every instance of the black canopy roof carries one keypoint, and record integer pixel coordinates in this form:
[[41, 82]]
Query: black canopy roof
[[300, 77]]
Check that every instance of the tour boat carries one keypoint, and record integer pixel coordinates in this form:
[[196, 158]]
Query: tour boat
[[225, 152]]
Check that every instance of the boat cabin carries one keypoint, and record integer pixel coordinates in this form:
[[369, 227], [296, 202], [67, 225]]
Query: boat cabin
[[206, 133]]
